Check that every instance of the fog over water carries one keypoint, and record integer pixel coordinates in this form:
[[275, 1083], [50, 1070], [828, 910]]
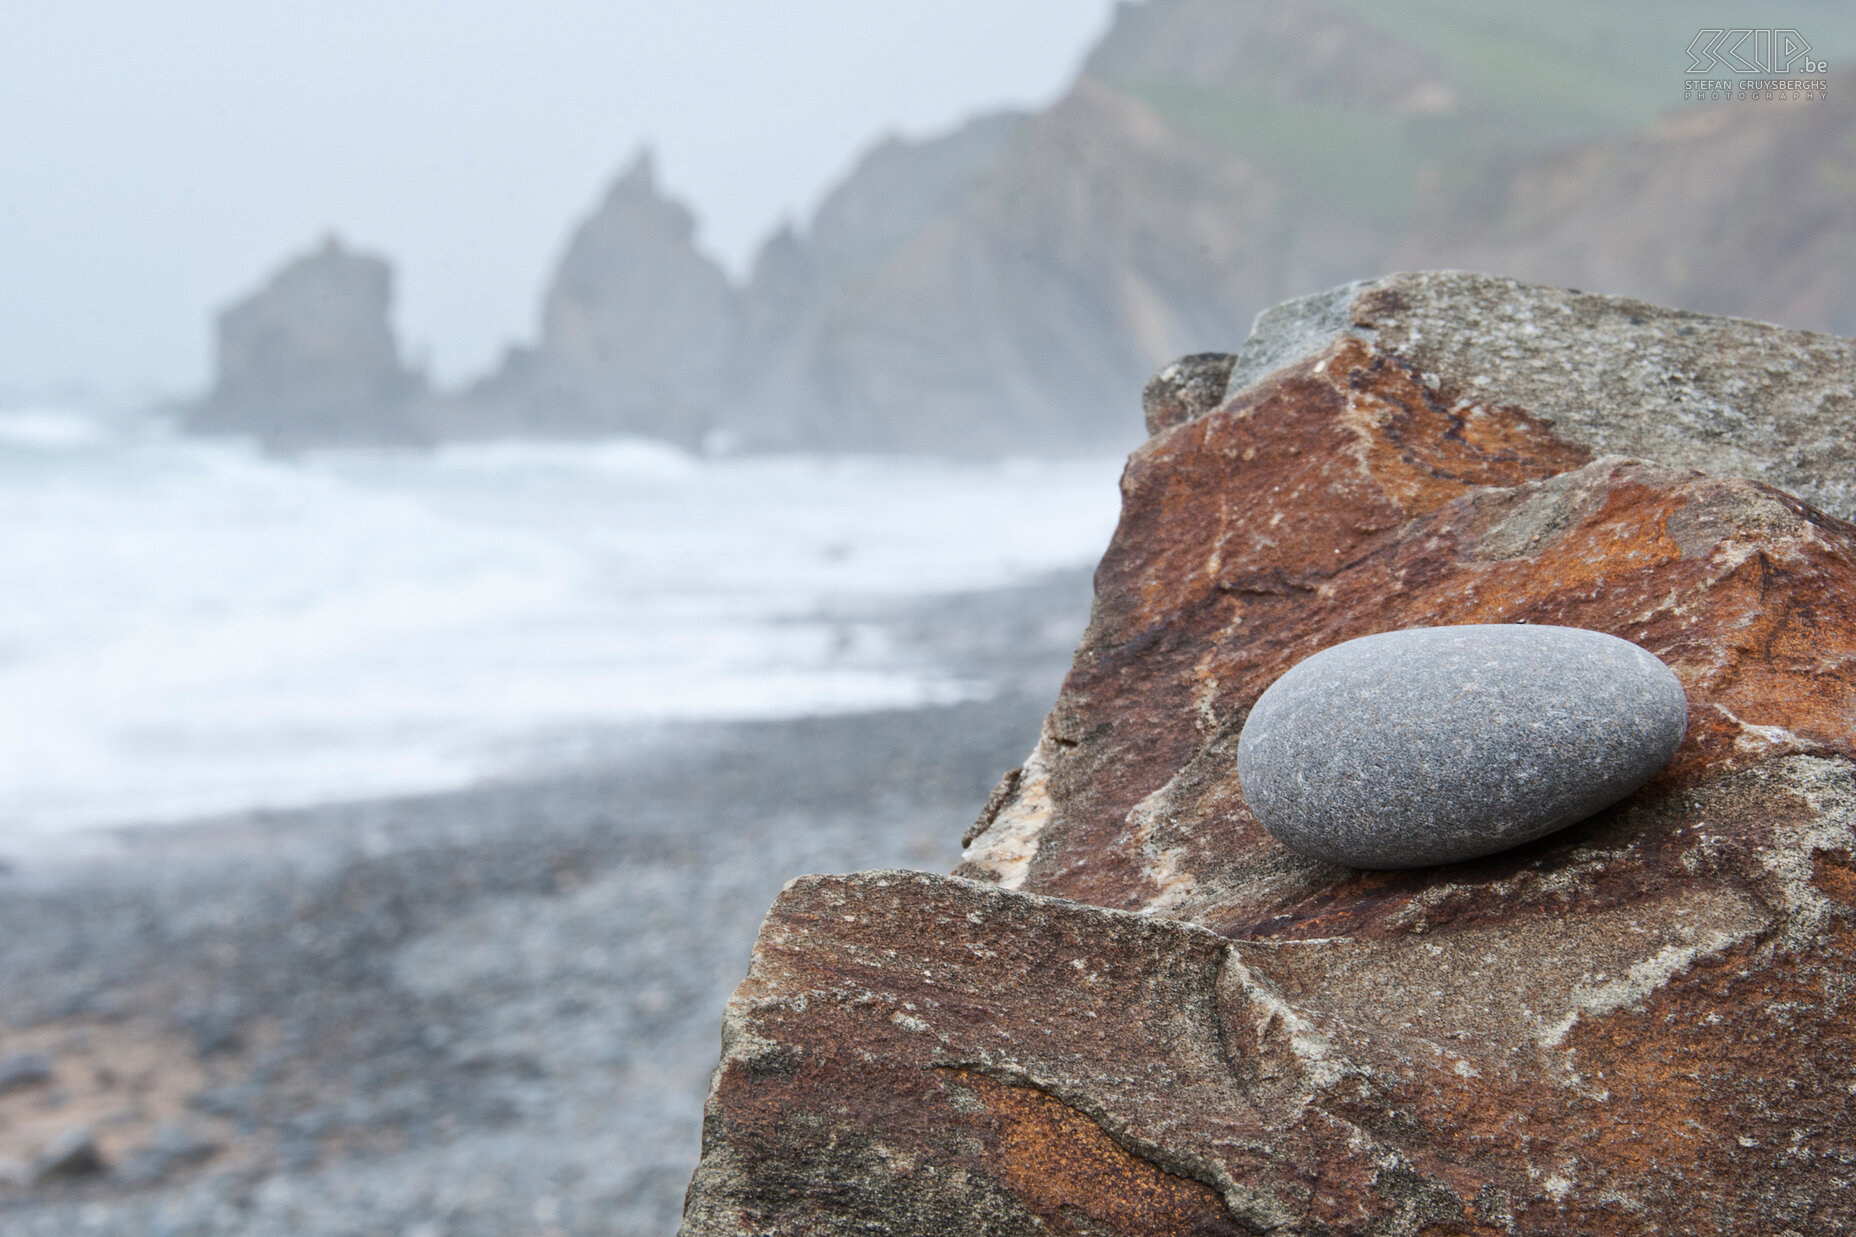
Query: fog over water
[[155, 159], [190, 627]]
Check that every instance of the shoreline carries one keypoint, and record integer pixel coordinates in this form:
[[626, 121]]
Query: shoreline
[[479, 1011], [1016, 639]]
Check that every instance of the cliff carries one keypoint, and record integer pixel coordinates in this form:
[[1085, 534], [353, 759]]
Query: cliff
[[1009, 285], [1132, 1011], [798, 376], [1030, 308], [310, 358], [1743, 210]]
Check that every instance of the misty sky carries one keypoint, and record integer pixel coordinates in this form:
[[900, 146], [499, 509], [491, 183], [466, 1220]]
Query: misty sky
[[157, 159]]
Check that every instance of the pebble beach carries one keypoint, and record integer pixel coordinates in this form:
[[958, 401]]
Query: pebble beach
[[485, 1011]]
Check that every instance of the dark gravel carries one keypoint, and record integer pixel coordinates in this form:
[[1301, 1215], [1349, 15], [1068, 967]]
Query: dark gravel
[[485, 1012]]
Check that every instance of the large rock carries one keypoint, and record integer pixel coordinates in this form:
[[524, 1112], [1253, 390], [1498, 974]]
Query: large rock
[[311, 358], [636, 329], [1613, 375], [1132, 1011]]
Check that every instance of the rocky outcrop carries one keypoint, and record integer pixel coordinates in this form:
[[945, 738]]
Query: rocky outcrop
[[1132, 1011], [1006, 287], [1215, 158], [1032, 308], [636, 330], [311, 358], [797, 375]]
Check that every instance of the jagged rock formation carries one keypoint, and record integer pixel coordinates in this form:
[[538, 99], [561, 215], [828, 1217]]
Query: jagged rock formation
[[311, 358], [1132, 1012], [1057, 260], [1030, 310], [636, 330], [1007, 286], [802, 374]]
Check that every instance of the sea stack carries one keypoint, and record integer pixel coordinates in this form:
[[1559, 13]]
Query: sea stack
[[311, 358], [636, 329]]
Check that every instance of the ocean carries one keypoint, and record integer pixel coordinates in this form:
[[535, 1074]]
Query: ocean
[[190, 627]]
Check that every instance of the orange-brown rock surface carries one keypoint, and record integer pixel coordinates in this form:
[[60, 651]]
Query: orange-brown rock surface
[[1132, 1011]]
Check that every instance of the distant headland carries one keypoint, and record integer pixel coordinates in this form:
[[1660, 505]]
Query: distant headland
[[1007, 287]]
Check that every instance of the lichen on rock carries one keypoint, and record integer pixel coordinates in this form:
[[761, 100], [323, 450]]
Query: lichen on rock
[[1638, 1024]]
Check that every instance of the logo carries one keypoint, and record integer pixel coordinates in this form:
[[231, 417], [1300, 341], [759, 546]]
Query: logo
[[1752, 52], [1751, 64]]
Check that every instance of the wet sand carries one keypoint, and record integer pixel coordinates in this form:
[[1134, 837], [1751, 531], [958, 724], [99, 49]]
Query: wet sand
[[491, 1011]]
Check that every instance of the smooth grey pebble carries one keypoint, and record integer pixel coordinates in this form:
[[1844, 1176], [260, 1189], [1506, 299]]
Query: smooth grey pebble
[[1439, 744]]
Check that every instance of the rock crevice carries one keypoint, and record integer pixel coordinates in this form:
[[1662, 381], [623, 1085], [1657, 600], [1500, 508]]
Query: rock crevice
[[1638, 1024]]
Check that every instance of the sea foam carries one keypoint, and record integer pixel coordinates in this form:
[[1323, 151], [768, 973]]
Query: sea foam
[[189, 627]]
